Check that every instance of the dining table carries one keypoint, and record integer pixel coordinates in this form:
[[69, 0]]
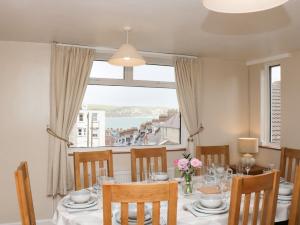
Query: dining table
[[185, 214]]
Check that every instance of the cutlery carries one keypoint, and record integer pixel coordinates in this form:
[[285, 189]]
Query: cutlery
[[185, 208]]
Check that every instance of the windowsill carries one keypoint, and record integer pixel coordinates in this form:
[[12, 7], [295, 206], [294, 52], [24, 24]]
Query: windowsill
[[125, 150], [272, 147]]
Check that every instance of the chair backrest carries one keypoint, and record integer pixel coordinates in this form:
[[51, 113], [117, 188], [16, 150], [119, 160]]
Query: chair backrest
[[93, 158], [294, 218], [265, 184], [148, 154], [24, 195], [140, 193], [287, 165], [213, 154]]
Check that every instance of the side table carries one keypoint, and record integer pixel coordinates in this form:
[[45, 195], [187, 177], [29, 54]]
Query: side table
[[255, 170]]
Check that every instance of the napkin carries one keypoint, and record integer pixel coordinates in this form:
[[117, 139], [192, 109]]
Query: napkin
[[210, 190]]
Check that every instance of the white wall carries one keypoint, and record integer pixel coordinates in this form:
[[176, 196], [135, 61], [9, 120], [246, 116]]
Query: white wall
[[225, 108], [290, 101], [24, 114], [290, 91]]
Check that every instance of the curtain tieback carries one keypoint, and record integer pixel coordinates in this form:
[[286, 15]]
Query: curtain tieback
[[190, 138], [51, 132]]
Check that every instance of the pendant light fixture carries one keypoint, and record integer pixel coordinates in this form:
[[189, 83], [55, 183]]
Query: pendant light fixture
[[127, 55], [241, 6]]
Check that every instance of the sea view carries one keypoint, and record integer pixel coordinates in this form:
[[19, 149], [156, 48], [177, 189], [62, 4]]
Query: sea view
[[126, 121]]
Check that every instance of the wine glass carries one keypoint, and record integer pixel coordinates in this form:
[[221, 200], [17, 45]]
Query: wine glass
[[247, 167]]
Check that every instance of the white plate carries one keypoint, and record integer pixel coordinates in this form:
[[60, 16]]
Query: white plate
[[285, 197], [135, 223], [283, 202], [90, 201], [160, 176], [206, 211], [200, 206], [148, 219], [68, 203]]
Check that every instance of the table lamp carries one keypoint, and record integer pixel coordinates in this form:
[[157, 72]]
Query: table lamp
[[248, 147]]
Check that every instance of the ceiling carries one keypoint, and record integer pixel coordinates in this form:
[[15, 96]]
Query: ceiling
[[167, 26]]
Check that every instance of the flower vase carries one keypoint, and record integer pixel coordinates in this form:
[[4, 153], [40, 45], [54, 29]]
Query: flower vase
[[187, 184]]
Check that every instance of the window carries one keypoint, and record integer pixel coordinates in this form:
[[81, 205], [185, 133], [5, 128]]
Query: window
[[79, 132], [102, 69], [154, 73], [270, 105], [80, 117], [128, 112], [94, 117], [275, 104]]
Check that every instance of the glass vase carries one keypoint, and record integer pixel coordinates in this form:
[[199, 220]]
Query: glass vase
[[187, 184]]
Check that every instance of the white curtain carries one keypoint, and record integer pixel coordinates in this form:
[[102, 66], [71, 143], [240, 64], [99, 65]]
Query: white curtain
[[189, 93], [70, 69]]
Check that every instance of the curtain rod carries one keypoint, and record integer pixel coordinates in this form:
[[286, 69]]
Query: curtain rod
[[144, 53]]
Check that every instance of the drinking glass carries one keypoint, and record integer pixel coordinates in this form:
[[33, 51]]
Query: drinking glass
[[148, 174], [225, 187], [271, 166], [100, 180], [220, 171], [239, 169], [102, 175], [229, 172]]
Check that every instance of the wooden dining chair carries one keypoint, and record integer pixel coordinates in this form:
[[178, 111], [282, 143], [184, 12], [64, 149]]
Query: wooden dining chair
[[294, 218], [265, 184], [140, 193], [289, 159], [213, 154], [24, 195], [93, 158], [148, 154]]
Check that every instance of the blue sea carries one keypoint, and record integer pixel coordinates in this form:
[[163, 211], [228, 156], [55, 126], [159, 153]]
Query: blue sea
[[126, 122]]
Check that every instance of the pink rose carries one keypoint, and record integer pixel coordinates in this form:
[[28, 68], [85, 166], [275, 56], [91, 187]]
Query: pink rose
[[183, 164], [196, 163], [175, 162]]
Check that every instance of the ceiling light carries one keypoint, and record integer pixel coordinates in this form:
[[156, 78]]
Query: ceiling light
[[241, 6], [127, 55]]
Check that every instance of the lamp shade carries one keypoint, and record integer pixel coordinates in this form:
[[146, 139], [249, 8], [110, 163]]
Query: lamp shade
[[241, 6], [248, 145], [127, 56]]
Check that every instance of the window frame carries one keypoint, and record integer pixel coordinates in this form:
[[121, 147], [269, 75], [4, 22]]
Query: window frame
[[128, 81], [265, 106]]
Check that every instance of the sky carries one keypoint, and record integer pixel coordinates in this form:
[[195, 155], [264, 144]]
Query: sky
[[276, 73], [130, 96]]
